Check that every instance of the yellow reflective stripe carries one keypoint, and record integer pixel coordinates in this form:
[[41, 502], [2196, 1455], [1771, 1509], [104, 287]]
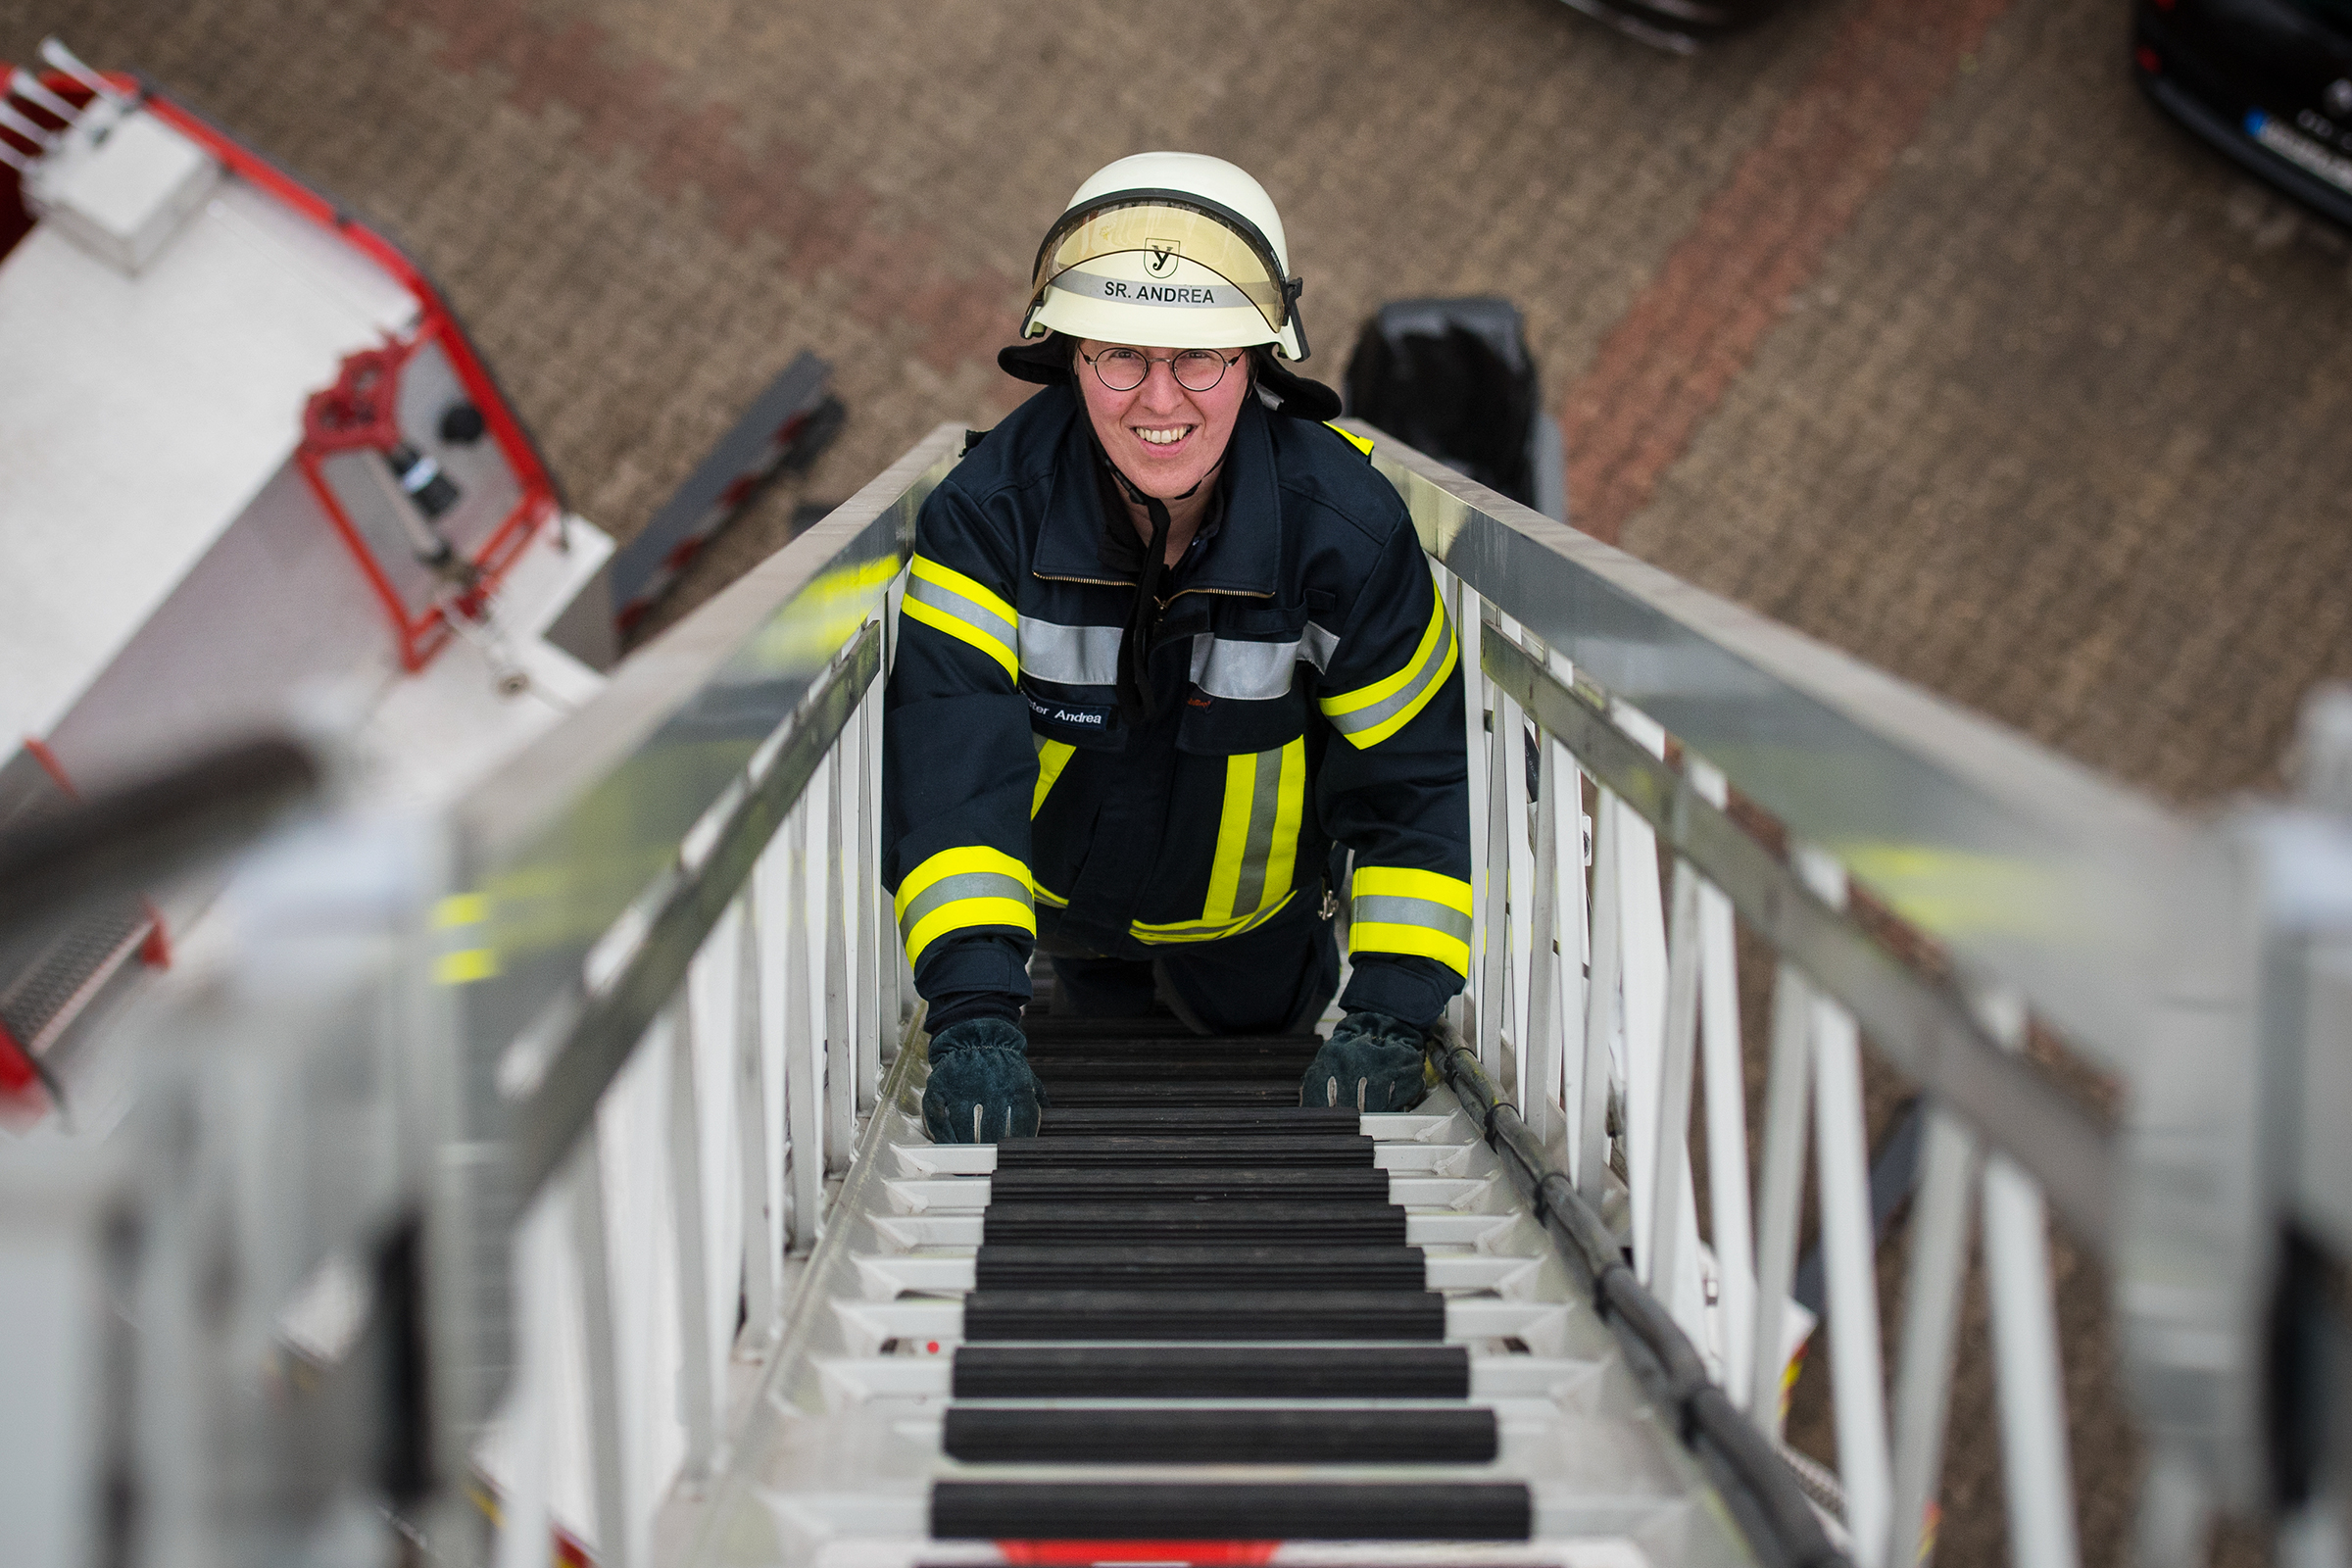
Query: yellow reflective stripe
[[1257, 832], [1372, 713], [1233, 839], [1420, 699], [1047, 896], [1366, 696], [1401, 910], [1205, 930], [979, 593], [1361, 443], [942, 613], [960, 889], [1415, 941], [1289, 812], [1402, 882], [1052, 757], [964, 914], [957, 862]]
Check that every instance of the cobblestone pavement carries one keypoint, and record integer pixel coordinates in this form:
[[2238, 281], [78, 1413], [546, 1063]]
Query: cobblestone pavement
[[1909, 325]]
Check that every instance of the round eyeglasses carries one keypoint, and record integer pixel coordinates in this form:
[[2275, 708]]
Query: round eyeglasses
[[1195, 369]]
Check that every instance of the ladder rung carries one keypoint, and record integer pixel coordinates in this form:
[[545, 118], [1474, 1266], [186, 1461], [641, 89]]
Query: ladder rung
[[1365, 1223], [1198, 1268], [1174, 1048], [1312, 1435], [1063, 1027], [1204, 1315], [1234, 1121], [1175, 1096], [1065, 1184], [1223, 1068], [1239, 1510], [1211, 1372], [1161, 1153]]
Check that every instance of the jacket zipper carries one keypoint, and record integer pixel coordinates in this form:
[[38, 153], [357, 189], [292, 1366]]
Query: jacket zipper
[[1099, 582]]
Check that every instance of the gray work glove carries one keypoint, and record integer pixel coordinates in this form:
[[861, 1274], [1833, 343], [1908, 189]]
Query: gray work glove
[[981, 1088], [1371, 1062]]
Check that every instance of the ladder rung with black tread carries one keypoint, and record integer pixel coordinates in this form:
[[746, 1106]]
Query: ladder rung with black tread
[[1191, 1320], [1187, 1247]]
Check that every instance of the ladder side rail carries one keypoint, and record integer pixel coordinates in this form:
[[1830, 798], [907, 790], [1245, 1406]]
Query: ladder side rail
[[799, 991], [1923, 1027], [1844, 755], [841, 1071], [756, 1128], [1725, 1077], [718, 998], [1816, 1059], [1760, 1492], [1572, 862], [1598, 1080], [1544, 1046], [1469, 1009], [706, 1240], [1942, 1216], [1787, 1090], [2035, 1473], [1674, 1224], [1509, 758], [735, 712], [871, 1024], [1494, 900]]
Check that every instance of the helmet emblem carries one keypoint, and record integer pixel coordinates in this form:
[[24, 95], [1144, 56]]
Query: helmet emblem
[[2338, 97], [1160, 257]]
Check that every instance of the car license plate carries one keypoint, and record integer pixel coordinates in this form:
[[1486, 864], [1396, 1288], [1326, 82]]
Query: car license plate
[[2299, 149]]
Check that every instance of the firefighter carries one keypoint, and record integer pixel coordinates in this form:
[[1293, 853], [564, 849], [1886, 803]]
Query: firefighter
[[1167, 637]]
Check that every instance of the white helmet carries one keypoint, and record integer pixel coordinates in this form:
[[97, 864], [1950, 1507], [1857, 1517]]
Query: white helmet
[[1175, 250]]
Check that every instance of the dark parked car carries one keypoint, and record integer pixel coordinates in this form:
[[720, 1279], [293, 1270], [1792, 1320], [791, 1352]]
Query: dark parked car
[[2266, 81], [1681, 26]]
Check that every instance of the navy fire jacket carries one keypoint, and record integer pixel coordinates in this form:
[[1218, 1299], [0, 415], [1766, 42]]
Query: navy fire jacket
[[1308, 690]]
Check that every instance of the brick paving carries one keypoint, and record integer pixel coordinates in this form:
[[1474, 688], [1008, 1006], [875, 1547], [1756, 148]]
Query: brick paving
[[1910, 326], [2058, 431]]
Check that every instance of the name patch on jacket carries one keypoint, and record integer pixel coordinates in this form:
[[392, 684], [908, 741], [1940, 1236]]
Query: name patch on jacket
[[1076, 722]]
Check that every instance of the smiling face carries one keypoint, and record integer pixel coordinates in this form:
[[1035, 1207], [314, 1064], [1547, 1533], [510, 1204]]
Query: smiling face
[[1164, 438]]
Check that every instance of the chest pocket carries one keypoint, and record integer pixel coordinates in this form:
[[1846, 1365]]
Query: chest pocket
[[1067, 679], [1251, 681]]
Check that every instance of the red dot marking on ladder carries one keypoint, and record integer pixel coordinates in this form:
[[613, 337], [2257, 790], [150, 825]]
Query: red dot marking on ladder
[[931, 1348]]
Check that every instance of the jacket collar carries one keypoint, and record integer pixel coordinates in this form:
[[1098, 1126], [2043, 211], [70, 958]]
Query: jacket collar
[[1244, 558]]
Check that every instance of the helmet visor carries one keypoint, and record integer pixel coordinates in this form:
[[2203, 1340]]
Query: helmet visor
[[1165, 232]]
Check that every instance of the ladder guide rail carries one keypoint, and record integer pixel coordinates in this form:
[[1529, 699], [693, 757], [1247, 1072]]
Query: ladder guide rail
[[1926, 1032], [2009, 854], [613, 1017], [698, 1288]]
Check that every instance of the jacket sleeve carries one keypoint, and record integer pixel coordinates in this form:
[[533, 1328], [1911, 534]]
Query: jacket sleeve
[[958, 767], [1395, 788]]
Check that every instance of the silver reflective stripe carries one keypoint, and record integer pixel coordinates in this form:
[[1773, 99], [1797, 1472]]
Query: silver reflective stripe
[[1316, 646], [963, 885], [1386, 908], [1255, 672], [1265, 800], [947, 602], [1365, 718], [1075, 655]]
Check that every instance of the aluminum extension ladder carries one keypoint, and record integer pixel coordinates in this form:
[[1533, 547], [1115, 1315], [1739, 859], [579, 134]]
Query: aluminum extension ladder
[[1197, 1321]]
